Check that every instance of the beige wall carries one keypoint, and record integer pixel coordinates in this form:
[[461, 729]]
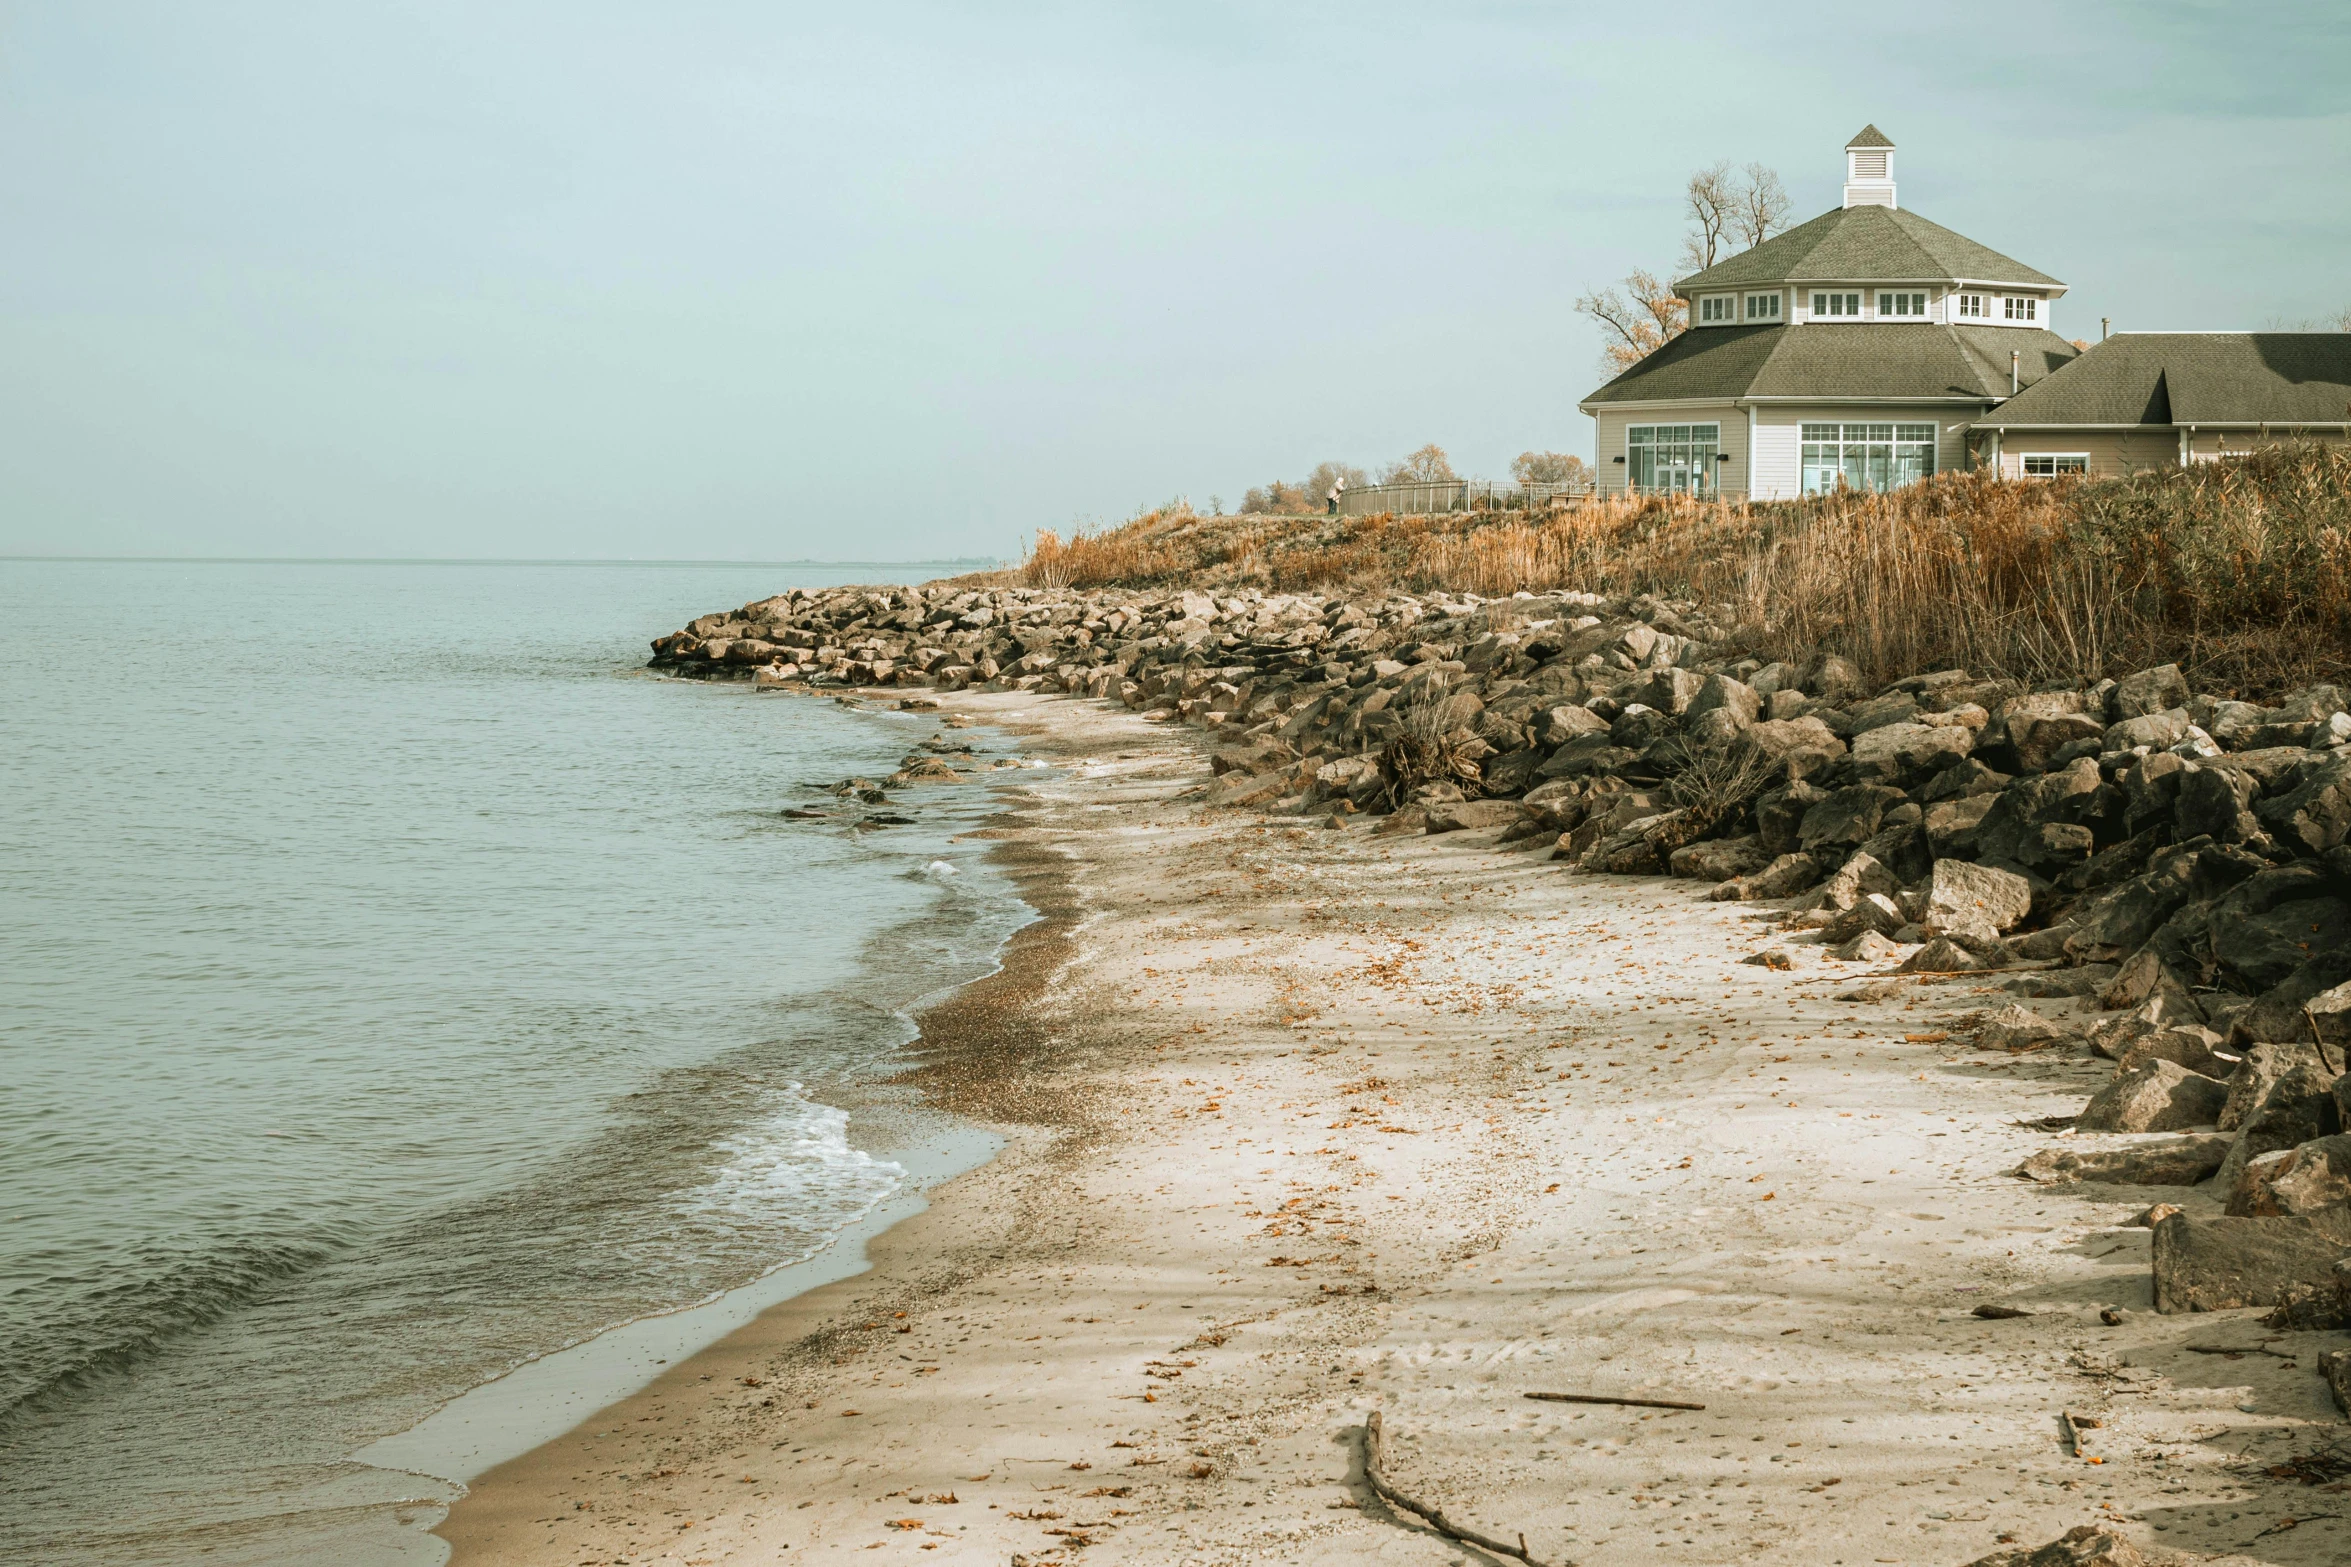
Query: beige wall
[[2114, 453]]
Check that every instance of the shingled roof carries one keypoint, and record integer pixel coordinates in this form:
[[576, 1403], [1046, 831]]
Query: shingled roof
[[1870, 136], [1865, 244], [1958, 363], [2206, 378]]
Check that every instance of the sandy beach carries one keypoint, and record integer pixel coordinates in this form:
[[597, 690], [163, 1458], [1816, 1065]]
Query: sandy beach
[[1306, 1124]]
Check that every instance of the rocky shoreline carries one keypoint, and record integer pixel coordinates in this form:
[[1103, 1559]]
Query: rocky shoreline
[[2171, 863]]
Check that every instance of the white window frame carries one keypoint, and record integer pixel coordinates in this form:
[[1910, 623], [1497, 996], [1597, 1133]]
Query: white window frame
[[1972, 307], [2054, 464], [1695, 450], [2020, 307], [1905, 297], [1769, 303], [1876, 454], [1842, 306], [1718, 309]]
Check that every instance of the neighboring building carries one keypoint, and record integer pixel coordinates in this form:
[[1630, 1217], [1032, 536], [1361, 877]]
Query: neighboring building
[[2163, 399], [1857, 349]]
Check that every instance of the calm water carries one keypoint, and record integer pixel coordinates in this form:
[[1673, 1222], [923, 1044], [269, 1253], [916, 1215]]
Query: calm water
[[396, 983]]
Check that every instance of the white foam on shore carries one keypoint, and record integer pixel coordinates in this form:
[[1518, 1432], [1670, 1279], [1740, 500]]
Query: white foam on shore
[[795, 1166]]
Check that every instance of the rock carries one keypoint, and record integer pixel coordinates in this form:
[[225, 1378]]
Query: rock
[[2089, 1545], [1941, 956], [2216, 803], [2149, 691], [1771, 957], [2120, 919], [1784, 877], [1239, 789], [2314, 815], [1411, 818], [2027, 732], [1795, 747], [2115, 1035], [2281, 1013], [2017, 1029], [2225, 1263], [2142, 975], [1951, 825], [1631, 850], [1963, 781], [2174, 1161], [1870, 946], [1875, 912], [2158, 1096], [2335, 1366], [2262, 949], [2030, 823], [1719, 859], [1832, 678], [1857, 878], [2155, 732], [2306, 1179], [2299, 1107], [1470, 815], [1961, 893], [1897, 753], [1668, 691], [1720, 693], [1847, 817], [2256, 1074], [2188, 1046], [1559, 725]]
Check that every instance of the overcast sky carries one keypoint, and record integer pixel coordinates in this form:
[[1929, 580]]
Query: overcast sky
[[888, 281]]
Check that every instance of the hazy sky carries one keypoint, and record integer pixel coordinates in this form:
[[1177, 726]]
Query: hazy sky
[[867, 280]]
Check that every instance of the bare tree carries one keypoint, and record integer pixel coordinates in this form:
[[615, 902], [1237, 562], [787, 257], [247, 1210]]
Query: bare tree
[[1636, 319], [1713, 197], [1762, 206], [2341, 320], [1549, 468], [1429, 465], [1325, 474]]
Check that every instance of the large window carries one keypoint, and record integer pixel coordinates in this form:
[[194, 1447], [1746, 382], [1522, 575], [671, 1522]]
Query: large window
[[2022, 309], [1763, 307], [1716, 307], [1973, 305], [1672, 457], [1836, 304], [1866, 456], [2048, 465], [1902, 304]]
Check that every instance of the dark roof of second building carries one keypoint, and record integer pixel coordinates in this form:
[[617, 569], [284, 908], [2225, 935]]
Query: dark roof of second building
[[1865, 245], [1825, 362], [2166, 378]]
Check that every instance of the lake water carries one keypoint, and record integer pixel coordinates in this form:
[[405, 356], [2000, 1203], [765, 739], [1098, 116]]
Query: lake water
[[398, 983]]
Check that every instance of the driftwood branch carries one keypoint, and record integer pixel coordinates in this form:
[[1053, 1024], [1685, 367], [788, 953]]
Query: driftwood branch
[[1430, 1515], [1602, 1398]]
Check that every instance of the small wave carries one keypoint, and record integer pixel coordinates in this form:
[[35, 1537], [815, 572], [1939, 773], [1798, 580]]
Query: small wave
[[795, 1166], [112, 1326], [941, 868]]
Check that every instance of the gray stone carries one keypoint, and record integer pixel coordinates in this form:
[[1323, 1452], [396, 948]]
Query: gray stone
[[2188, 1046], [1797, 747], [2157, 1096], [2089, 1545], [2216, 803], [1951, 825], [2315, 814], [2226, 1263], [2262, 949], [1857, 878], [2307, 1178], [1847, 817], [1720, 693], [2017, 1029], [1870, 946], [1471, 815], [2149, 691], [2256, 1074], [1719, 859], [2299, 1107], [1900, 752], [2173, 1161], [1784, 877], [1941, 956], [1898, 707], [2030, 823], [1558, 725], [1959, 892], [2156, 732]]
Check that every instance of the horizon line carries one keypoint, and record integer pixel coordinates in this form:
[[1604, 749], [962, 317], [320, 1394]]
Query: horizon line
[[492, 560]]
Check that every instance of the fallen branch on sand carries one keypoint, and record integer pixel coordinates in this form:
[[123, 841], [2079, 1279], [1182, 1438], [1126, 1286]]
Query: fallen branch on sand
[[1429, 1515], [1603, 1398]]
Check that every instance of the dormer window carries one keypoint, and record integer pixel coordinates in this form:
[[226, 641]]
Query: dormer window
[[1902, 305], [1763, 307], [1718, 309], [1836, 304], [1974, 306], [2022, 309]]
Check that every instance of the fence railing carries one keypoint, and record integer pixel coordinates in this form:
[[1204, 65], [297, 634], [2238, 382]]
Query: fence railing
[[1430, 497]]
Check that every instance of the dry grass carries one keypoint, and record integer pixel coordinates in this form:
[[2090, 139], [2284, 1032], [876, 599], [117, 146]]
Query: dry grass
[[2240, 570]]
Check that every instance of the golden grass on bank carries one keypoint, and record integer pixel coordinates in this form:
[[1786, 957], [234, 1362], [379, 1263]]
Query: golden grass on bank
[[2239, 569]]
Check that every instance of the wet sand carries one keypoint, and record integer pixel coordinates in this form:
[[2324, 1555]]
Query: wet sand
[[1306, 1123]]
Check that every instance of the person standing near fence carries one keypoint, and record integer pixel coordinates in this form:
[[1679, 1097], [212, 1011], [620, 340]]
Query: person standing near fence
[[1338, 488]]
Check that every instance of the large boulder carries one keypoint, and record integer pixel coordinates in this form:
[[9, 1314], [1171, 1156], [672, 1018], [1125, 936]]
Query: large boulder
[[2225, 1263], [1719, 859], [2270, 925], [2032, 824], [1470, 815], [2119, 919], [2315, 814], [1962, 894], [2156, 1096], [2299, 1107], [1900, 753], [2257, 1073], [2216, 803], [2283, 1012], [1784, 877], [2197, 1049], [2016, 1029], [2174, 1161], [1720, 693], [1795, 747], [2310, 1178], [2027, 732], [1860, 876], [1848, 817], [2149, 691], [1941, 956], [2153, 732], [1668, 691]]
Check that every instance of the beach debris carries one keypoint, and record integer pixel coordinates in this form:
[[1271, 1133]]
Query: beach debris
[[2089, 1545], [1427, 1514], [1610, 1398], [1992, 1313]]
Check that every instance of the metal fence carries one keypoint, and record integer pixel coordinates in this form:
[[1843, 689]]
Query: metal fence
[[1427, 499]]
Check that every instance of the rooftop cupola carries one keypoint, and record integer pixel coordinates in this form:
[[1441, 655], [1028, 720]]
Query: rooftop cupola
[[1869, 169]]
